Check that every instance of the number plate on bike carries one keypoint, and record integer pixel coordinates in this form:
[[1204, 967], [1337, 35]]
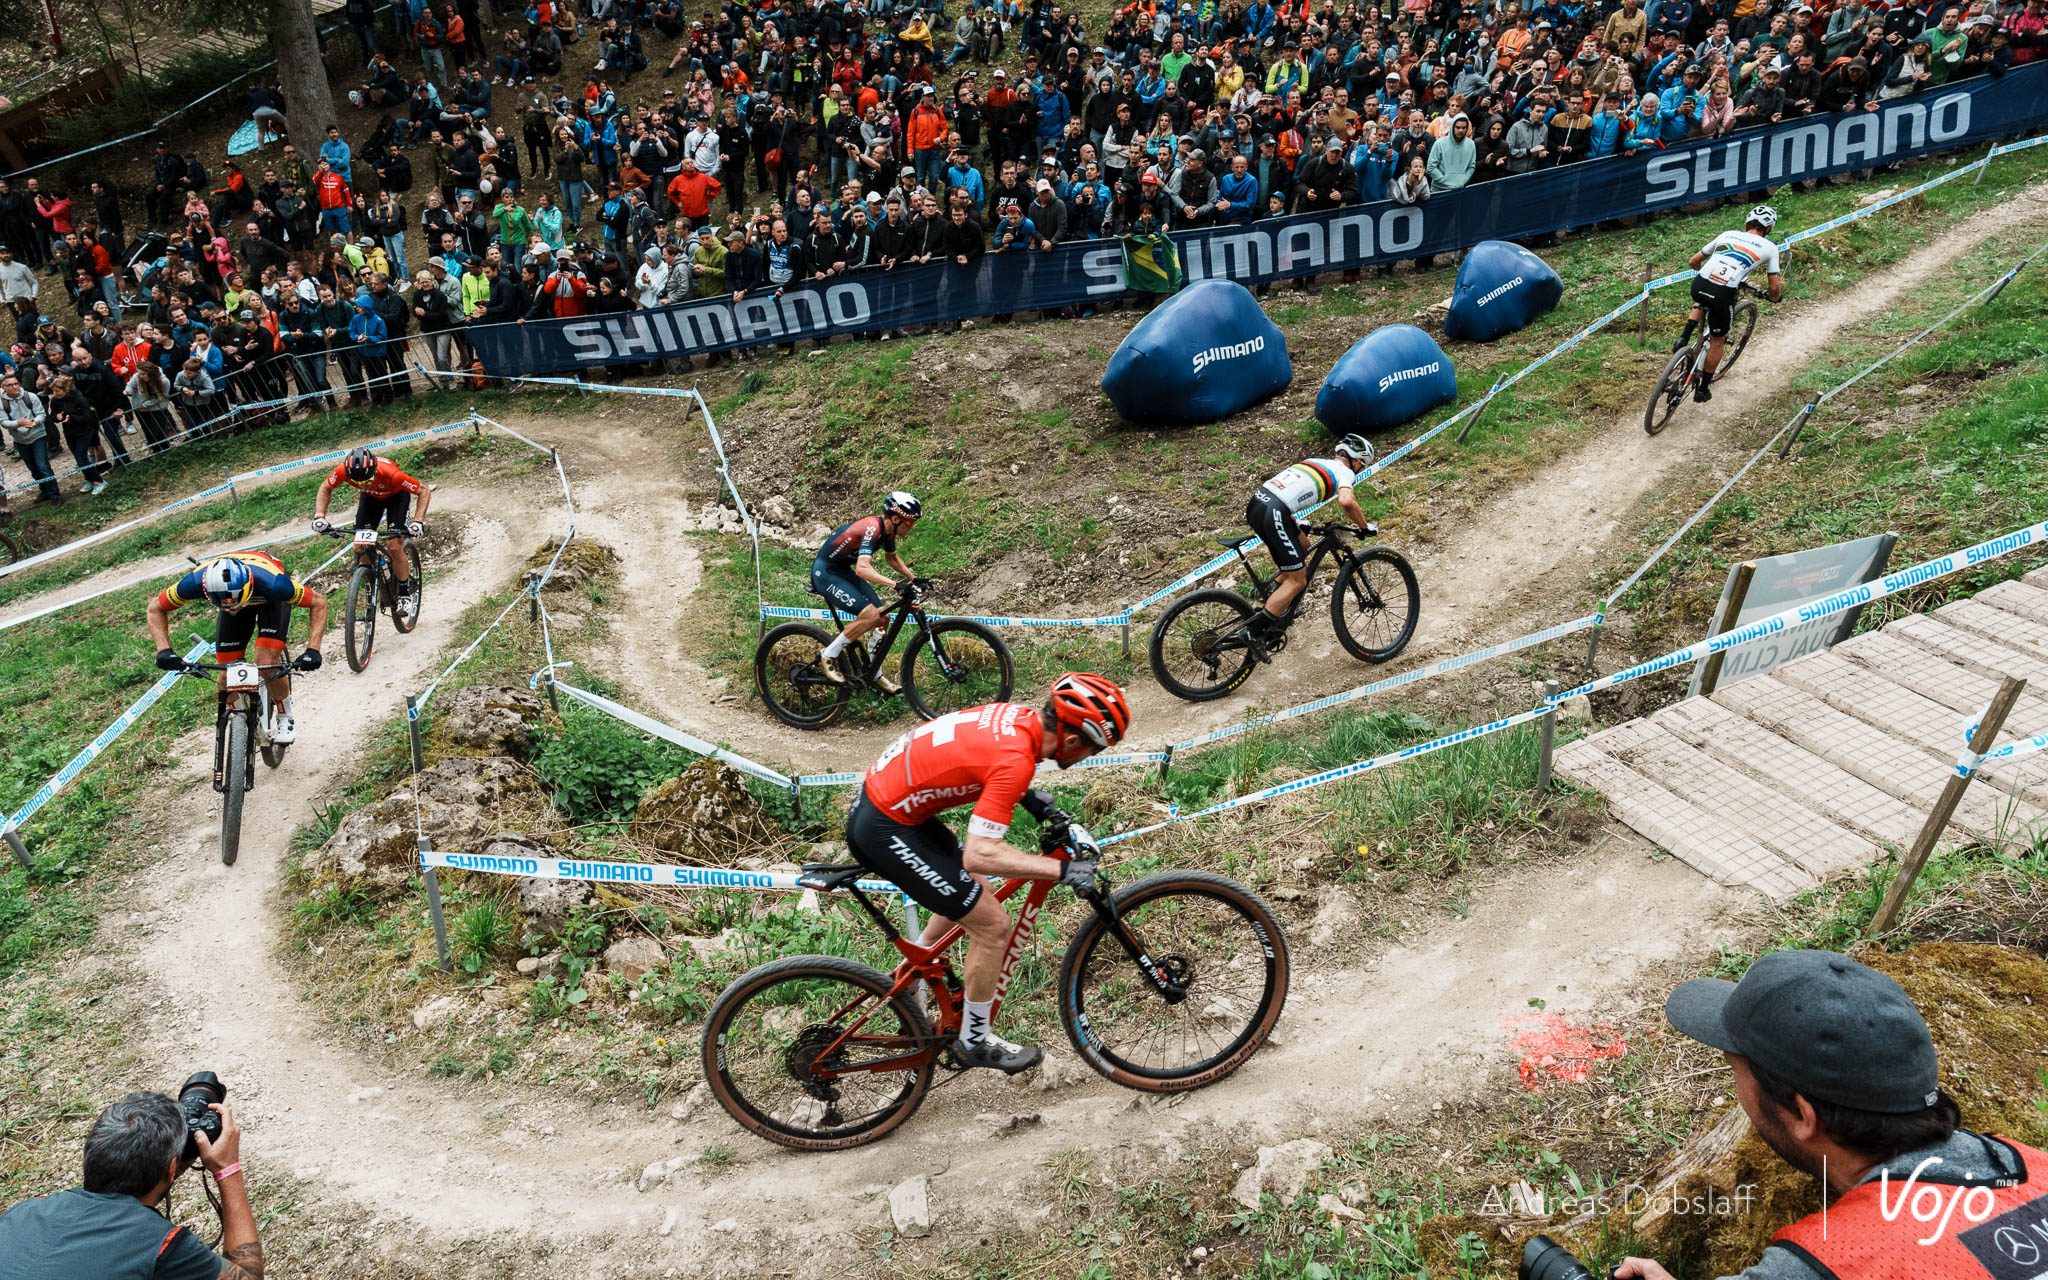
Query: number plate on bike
[[366, 537], [240, 675]]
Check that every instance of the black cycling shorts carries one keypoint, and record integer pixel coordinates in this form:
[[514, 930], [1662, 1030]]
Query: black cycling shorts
[[1718, 301], [924, 860], [392, 511], [267, 622], [842, 587], [1275, 524]]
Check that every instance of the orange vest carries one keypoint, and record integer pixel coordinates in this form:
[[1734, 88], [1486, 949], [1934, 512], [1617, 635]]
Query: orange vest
[[1922, 1229]]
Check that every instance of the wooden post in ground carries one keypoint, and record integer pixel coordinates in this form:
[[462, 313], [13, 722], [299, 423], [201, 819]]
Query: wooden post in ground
[[1981, 740], [1737, 592], [1549, 739]]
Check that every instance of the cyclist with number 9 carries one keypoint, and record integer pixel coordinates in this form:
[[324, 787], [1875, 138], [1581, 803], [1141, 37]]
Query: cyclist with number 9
[[386, 492], [255, 596], [984, 756]]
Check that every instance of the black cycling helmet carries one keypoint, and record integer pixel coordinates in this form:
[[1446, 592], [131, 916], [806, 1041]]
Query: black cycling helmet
[[1357, 448], [902, 503], [360, 466]]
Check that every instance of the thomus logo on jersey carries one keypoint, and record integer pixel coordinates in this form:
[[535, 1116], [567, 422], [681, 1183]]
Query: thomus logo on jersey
[[1497, 292], [924, 796], [1213, 354], [1405, 374]]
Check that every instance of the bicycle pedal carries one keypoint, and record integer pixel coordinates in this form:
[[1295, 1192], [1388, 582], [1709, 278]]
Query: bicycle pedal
[[950, 1059]]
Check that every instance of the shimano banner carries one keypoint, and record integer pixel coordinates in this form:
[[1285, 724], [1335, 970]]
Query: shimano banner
[[1279, 248]]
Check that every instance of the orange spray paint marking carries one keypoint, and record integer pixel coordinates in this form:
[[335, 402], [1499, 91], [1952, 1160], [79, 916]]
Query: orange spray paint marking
[[1555, 1051]]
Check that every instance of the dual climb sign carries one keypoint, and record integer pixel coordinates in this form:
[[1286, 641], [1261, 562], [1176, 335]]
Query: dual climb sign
[[1779, 583]]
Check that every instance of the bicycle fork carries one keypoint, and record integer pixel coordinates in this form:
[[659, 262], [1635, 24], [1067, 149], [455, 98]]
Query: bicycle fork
[[1169, 986]]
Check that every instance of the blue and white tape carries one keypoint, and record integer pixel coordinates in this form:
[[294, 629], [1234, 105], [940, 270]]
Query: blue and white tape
[[646, 873], [105, 738], [688, 742], [1110, 620]]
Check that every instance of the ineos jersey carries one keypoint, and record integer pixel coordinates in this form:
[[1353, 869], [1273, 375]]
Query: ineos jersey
[[983, 756], [854, 539], [1311, 482], [1734, 254]]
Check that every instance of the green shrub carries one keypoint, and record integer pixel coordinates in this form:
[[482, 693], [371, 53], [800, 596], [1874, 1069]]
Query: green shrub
[[599, 768], [480, 931]]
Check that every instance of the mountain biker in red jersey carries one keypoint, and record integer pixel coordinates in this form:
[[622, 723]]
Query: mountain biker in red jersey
[[984, 756], [386, 494]]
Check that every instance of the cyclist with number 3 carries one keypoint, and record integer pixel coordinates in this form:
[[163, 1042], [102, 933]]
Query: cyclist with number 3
[[1723, 265], [255, 596], [386, 492], [984, 756], [845, 566]]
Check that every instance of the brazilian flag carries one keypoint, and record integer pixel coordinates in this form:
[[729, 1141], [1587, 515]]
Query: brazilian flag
[[1151, 263]]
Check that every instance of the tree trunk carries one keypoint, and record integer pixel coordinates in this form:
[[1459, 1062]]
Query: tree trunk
[[308, 102]]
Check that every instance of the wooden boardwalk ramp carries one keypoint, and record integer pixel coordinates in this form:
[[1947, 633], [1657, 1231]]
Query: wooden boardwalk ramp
[[1778, 781]]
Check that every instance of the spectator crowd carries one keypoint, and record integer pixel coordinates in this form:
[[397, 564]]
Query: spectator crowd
[[840, 136]]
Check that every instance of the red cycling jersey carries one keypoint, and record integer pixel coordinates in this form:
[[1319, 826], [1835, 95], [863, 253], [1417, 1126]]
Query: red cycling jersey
[[388, 480], [983, 755]]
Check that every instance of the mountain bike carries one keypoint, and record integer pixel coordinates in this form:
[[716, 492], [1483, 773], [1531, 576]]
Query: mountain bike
[[1202, 648], [1171, 983], [373, 584], [950, 664], [1682, 371], [242, 720]]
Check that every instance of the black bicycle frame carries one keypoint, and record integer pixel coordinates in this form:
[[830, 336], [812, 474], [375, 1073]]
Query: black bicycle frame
[[902, 611], [1324, 545]]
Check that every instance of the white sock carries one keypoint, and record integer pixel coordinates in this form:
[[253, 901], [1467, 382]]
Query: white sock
[[974, 1025], [834, 649]]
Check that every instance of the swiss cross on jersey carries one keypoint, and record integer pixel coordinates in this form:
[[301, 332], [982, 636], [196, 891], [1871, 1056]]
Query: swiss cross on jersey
[[983, 756]]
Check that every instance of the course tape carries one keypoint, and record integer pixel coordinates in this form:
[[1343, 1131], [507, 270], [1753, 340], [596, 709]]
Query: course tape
[[688, 742], [1092, 762], [2016, 750], [628, 872], [43, 557], [531, 590], [1111, 620], [1392, 682], [1827, 606], [94, 749]]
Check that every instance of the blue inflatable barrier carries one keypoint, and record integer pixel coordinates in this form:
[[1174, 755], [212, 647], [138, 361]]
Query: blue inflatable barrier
[[1203, 354], [1501, 287], [1390, 376]]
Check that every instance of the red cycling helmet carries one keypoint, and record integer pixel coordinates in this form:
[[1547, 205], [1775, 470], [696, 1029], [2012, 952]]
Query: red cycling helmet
[[1091, 706]]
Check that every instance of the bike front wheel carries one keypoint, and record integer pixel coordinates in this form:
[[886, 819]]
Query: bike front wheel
[[405, 611], [234, 787], [813, 1052], [789, 675], [1672, 386], [1199, 651], [359, 617], [1218, 943], [954, 665], [1740, 326], [1376, 604]]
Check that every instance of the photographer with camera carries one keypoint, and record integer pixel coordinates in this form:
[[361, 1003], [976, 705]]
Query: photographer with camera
[[1835, 1069], [114, 1225]]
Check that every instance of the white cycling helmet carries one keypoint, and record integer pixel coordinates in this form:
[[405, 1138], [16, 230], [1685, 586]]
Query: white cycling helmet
[[1357, 448], [1764, 216], [901, 503]]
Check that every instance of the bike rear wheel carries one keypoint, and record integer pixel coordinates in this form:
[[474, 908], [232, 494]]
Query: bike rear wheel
[[1740, 326], [955, 665], [1212, 935], [1376, 604], [405, 612], [789, 676], [1199, 651], [771, 1032], [234, 787], [1672, 387], [359, 616]]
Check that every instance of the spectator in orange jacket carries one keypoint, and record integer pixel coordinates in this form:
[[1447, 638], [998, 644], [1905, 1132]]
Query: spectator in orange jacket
[[691, 192], [331, 193]]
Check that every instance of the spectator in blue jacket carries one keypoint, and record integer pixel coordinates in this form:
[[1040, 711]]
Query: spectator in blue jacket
[[366, 335], [1611, 134], [963, 173], [1677, 114], [336, 153], [1053, 113], [1259, 19], [1241, 190], [1649, 122], [1375, 163]]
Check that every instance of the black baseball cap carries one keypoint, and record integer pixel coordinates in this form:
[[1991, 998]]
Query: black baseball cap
[[1835, 1030]]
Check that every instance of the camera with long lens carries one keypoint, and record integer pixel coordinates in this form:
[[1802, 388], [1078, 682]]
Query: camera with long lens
[[196, 1098], [1546, 1259]]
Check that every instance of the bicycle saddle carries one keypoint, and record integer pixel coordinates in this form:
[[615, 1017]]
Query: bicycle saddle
[[830, 877], [1228, 544]]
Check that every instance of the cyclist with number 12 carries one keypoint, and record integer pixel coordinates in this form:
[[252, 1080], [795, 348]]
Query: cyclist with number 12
[[386, 492], [1723, 265]]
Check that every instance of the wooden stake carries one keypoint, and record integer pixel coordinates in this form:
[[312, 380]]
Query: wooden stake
[[1737, 592]]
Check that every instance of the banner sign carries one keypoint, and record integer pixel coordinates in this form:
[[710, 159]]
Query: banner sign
[[1087, 271], [1781, 582]]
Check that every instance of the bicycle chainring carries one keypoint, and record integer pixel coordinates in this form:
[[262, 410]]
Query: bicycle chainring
[[804, 1057]]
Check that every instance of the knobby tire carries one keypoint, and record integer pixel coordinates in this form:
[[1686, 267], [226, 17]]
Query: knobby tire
[[406, 615], [1672, 387], [1193, 625], [234, 785], [1376, 599], [360, 613], [780, 659], [982, 670]]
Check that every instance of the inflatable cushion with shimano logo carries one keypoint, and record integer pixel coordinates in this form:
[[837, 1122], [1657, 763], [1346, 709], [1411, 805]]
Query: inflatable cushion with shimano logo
[[1203, 354], [1389, 376], [1501, 287]]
